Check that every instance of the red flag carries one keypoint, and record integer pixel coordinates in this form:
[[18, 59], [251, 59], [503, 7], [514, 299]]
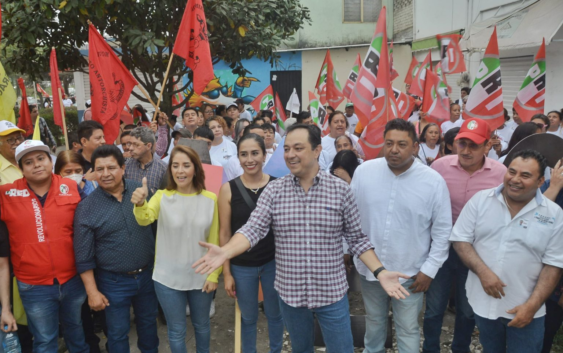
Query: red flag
[[438, 70], [452, 57], [413, 70], [485, 100], [405, 104], [110, 85], [24, 122], [56, 87], [42, 91], [531, 97], [352, 77], [364, 91], [264, 101], [417, 86], [192, 44], [394, 73], [280, 113], [328, 85], [436, 102]]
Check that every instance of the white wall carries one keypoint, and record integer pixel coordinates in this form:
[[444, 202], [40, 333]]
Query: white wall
[[554, 74]]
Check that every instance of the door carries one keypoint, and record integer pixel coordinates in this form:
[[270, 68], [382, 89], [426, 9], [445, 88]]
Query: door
[[283, 83]]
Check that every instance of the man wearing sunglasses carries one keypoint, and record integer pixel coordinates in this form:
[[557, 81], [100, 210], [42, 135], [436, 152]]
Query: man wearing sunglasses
[[466, 173]]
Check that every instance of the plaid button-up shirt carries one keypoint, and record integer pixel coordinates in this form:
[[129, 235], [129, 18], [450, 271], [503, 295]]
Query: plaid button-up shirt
[[154, 170], [308, 230]]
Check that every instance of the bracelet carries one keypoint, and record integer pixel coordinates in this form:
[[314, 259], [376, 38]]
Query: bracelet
[[378, 271]]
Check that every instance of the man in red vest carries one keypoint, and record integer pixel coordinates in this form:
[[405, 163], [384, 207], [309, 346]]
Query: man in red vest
[[38, 213]]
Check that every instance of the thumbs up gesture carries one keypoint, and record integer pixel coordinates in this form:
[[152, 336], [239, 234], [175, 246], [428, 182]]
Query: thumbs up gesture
[[140, 195]]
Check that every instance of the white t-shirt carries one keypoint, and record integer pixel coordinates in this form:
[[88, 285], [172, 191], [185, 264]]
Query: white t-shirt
[[559, 132], [328, 146], [446, 125], [246, 115], [223, 152], [426, 152], [352, 121], [505, 134]]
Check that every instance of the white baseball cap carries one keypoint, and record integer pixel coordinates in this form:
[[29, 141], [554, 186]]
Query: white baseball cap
[[30, 146], [7, 127]]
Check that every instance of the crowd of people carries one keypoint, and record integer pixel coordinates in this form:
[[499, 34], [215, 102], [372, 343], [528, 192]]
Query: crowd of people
[[98, 229]]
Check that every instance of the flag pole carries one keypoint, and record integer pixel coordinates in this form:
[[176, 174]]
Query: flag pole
[[163, 84], [146, 96], [64, 117], [138, 85], [35, 95]]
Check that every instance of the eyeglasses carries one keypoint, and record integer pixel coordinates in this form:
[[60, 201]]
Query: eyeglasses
[[541, 126], [464, 144], [13, 140]]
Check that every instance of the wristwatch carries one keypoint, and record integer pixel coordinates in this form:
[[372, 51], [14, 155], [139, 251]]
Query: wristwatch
[[378, 271]]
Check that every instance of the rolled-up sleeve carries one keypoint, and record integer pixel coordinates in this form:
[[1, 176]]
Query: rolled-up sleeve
[[258, 225], [358, 242], [84, 240], [440, 231]]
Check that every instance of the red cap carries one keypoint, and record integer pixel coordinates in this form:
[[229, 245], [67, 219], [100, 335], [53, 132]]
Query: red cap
[[476, 130]]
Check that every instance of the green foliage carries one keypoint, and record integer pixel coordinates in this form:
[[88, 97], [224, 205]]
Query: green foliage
[[71, 122], [146, 31]]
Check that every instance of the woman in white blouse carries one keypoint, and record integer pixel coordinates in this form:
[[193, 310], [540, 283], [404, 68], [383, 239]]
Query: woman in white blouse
[[221, 149], [430, 140], [554, 117]]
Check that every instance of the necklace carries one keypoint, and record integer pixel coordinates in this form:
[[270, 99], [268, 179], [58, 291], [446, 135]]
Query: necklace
[[506, 201], [255, 191]]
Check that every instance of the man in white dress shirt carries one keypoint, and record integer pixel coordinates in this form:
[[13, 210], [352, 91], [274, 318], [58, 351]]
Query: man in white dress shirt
[[405, 212], [511, 239]]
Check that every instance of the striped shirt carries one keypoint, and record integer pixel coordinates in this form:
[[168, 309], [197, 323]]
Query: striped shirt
[[154, 171], [308, 231]]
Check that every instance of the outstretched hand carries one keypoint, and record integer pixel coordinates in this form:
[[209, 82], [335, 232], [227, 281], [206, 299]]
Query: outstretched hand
[[214, 259], [390, 283]]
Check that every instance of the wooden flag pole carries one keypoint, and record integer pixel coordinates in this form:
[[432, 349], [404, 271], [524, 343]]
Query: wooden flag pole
[[64, 117], [162, 85], [146, 96], [237, 328]]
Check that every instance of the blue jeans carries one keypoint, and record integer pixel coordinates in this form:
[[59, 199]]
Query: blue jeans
[[437, 298], [496, 337], [122, 291], [46, 305], [334, 320], [405, 316], [246, 281], [173, 303]]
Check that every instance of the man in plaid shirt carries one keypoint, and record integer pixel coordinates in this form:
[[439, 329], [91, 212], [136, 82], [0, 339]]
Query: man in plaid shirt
[[310, 213]]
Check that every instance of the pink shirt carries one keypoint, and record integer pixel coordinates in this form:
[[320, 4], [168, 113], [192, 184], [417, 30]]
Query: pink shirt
[[463, 186]]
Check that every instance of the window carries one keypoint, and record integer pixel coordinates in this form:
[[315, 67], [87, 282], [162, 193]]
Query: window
[[361, 10]]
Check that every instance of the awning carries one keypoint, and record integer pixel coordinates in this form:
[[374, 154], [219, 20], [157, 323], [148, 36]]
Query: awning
[[522, 28]]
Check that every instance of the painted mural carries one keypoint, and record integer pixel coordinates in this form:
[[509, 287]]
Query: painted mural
[[226, 87]]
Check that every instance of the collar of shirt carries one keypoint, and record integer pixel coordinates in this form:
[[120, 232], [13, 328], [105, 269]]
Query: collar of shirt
[[146, 166], [413, 166], [107, 194], [497, 192], [486, 166], [5, 164], [316, 179]]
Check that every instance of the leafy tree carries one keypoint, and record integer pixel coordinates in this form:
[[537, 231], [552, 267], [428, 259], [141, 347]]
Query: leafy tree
[[143, 33]]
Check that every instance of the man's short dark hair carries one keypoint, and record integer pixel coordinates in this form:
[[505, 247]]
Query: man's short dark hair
[[401, 125], [86, 129], [251, 127], [126, 133], [129, 127], [257, 119], [205, 132], [466, 90], [533, 154], [304, 115], [228, 121], [220, 109], [73, 138], [269, 127], [268, 113], [313, 130], [105, 151]]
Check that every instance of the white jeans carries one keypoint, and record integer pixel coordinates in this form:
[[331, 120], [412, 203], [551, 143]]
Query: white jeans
[[405, 317]]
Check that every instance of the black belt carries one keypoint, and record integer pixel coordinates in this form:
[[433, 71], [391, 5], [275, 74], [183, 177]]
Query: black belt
[[136, 272]]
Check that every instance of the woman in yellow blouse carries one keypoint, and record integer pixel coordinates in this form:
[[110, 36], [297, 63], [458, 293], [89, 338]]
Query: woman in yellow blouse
[[187, 214]]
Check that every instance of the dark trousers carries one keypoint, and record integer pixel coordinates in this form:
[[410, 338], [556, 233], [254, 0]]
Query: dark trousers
[[553, 321]]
